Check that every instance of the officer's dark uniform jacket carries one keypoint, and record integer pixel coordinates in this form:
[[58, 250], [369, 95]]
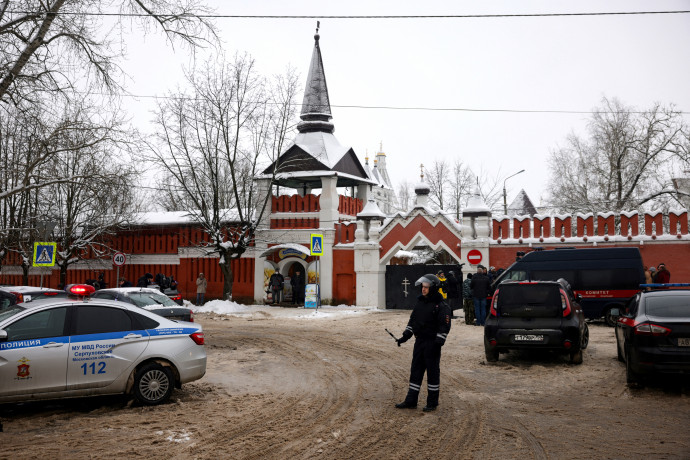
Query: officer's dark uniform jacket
[[430, 324], [430, 319]]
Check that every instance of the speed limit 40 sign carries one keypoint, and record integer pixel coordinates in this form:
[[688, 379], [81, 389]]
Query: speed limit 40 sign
[[119, 259]]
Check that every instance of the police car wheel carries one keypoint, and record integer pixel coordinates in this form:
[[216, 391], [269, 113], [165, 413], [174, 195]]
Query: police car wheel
[[153, 384]]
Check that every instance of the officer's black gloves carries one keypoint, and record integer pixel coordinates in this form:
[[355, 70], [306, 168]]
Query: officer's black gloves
[[402, 340], [439, 341]]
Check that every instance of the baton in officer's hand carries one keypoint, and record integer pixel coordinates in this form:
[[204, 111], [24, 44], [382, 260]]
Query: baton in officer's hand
[[394, 337]]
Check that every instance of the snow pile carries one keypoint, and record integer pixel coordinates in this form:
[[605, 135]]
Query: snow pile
[[230, 308]]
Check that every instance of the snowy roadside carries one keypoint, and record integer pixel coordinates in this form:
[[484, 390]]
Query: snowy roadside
[[229, 308]]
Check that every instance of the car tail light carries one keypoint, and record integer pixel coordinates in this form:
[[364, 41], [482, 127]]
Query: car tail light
[[567, 344], [651, 329], [565, 304], [198, 338], [19, 296], [81, 290], [493, 342], [50, 293], [177, 297], [494, 302]]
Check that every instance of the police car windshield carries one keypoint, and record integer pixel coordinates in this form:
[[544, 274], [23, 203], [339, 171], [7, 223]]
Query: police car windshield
[[10, 311], [145, 299]]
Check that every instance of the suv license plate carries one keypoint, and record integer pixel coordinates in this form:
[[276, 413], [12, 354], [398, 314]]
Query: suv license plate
[[529, 338], [684, 342]]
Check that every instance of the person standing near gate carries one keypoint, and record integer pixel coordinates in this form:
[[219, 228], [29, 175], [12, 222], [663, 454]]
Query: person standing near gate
[[467, 303], [276, 282], [480, 286], [453, 285], [297, 282], [201, 285], [429, 323]]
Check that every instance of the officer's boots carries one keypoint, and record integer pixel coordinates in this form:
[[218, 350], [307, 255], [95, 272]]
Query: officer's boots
[[431, 401], [410, 400]]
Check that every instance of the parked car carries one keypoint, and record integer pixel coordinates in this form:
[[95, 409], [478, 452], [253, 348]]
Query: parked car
[[605, 278], [541, 315], [7, 299], [172, 293], [29, 293], [653, 334], [148, 299], [67, 347]]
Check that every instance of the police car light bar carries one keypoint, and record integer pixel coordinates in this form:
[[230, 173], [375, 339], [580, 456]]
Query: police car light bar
[[80, 289]]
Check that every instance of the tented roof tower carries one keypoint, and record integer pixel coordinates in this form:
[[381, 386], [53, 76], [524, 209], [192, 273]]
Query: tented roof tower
[[315, 152]]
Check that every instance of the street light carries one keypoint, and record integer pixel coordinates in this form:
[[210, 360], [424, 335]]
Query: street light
[[505, 203]]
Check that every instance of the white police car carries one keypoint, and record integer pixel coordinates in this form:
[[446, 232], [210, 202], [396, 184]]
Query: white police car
[[67, 347]]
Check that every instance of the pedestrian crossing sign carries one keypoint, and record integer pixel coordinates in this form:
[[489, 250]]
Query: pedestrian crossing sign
[[44, 254], [316, 244]]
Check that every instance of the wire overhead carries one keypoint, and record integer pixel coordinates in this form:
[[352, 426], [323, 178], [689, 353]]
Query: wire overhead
[[389, 16]]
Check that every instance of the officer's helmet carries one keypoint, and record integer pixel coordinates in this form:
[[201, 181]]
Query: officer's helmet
[[430, 278]]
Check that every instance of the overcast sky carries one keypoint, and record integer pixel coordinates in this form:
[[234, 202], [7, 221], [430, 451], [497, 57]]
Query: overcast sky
[[504, 64]]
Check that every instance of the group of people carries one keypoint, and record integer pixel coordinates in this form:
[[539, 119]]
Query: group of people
[[470, 294], [657, 275], [276, 283]]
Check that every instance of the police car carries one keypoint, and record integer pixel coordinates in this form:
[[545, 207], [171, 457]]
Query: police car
[[69, 347]]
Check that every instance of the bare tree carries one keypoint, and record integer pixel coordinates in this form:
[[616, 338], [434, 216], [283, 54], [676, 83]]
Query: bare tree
[[437, 178], [43, 42], [211, 142], [624, 163], [459, 186], [91, 208], [405, 196], [60, 168]]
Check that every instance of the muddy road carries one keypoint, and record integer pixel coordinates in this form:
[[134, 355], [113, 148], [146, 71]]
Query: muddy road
[[280, 388]]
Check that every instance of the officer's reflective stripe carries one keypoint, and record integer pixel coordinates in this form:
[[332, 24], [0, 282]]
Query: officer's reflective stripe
[[442, 336], [414, 386], [432, 387], [409, 328], [30, 343]]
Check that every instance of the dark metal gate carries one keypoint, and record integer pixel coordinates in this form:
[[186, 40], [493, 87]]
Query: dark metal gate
[[400, 289]]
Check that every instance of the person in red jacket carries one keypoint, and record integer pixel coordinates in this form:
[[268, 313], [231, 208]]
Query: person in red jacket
[[662, 274]]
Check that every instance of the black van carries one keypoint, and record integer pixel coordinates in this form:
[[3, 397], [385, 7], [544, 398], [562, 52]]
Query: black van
[[605, 278]]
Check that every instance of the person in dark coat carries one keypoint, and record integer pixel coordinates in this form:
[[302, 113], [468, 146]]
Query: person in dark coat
[[124, 283], [145, 280], [297, 283], [467, 303], [453, 286], [430, 324], [480, 286], [276, 283]]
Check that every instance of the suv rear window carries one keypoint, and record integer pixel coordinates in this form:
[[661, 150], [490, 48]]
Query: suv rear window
[[529, 300]]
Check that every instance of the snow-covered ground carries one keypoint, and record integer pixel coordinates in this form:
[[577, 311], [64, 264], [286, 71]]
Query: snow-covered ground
[[226, 307]]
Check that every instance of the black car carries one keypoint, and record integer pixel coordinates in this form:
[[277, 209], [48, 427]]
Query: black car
[[542, 315], [653, 334], [149, 299], [7, 299], [29, 293]]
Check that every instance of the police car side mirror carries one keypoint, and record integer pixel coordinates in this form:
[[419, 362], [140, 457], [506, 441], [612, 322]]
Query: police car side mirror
[[3, 335]]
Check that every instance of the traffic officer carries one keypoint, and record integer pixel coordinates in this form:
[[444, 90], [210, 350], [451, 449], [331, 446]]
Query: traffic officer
[[430, 324]]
